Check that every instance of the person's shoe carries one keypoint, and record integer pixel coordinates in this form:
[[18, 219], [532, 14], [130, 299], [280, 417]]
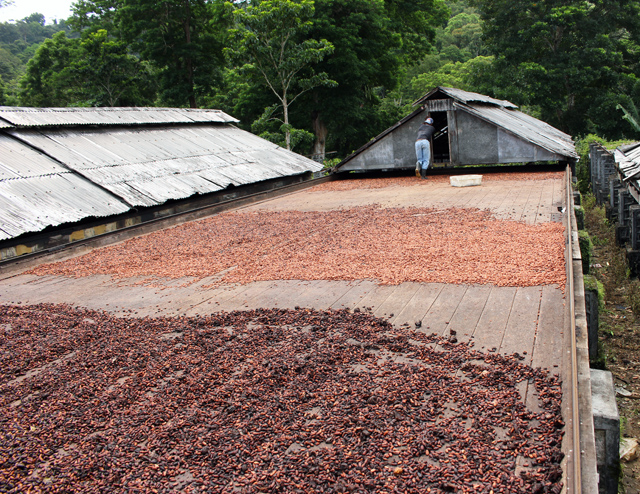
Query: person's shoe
[[417, 172]]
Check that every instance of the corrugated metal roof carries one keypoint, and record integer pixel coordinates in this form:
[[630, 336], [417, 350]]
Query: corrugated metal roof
[[466, 97], [37, 192], [501, 113], [525, 126], [56, 117], [62, 165], [628, 160], [147, 166]]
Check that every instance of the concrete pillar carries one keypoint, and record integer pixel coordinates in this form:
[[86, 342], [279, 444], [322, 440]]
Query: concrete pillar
[[592, 306], [606, 423], [625, 201], [634, 216], [614, 187]]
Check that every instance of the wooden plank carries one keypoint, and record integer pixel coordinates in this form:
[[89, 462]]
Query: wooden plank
[[547, 351], [329, 293], [241, 295], [397, 300], [491, 326], [283, 293], [468, 312], [214, 300], [376, 297], [520, 332], [439, 314], [416, 308], [311, 296], [353, 297]]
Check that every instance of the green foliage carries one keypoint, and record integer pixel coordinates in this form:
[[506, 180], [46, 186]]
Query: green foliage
[[330, 163], [576, 60], [93, 71], [18, 43], [271, 38], [579, 212], [264, 127], [462, 75], [373, 40], [593, 284], [182, 39], [110, 75], [586, 250], [415, 21], [49, 80], [631, 115]]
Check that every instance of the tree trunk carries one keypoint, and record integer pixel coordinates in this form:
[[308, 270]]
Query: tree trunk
[[189, 62], [321, 132], [287, 132]]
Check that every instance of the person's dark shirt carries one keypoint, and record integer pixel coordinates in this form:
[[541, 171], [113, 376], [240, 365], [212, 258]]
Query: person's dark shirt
[[425, 131]]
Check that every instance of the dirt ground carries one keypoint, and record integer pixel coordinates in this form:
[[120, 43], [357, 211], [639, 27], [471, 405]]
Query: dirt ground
[[619, 334]]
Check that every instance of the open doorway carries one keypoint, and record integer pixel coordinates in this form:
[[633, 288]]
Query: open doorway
[[441, 151]]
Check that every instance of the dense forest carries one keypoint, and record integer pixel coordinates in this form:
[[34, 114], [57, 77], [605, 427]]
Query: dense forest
[[324, 76]]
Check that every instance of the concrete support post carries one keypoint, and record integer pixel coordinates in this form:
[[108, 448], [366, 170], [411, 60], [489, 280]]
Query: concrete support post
[[606, 422], [614, 187], [591, 304], [634, 216], [623, 227]]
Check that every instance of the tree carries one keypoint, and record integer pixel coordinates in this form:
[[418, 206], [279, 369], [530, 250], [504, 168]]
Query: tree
[[94, 71], [271, 37], [415, 21], [467, 76], [94, 15], [573, 59], [110, 76], [373, 39], [182, 38], [49, 80]]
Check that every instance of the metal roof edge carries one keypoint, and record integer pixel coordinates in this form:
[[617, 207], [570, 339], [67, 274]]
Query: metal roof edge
[[36, 117], [465, 97]]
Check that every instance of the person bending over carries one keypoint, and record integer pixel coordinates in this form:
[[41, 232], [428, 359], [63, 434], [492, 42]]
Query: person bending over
[[423, 146]]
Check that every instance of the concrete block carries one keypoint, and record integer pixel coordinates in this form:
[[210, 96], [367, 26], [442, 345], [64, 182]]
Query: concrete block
[[577, 198], [634, 213], [622, 234], [606, 424], [465, 180], [633, 259], [625, 201], [591, 303]]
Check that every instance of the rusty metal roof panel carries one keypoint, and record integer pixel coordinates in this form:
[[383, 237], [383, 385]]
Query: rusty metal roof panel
[[55, 117], [526, 127]]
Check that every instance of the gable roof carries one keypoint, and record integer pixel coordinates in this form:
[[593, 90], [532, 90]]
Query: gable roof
[[463, 97], [501, 113], [64, 165]]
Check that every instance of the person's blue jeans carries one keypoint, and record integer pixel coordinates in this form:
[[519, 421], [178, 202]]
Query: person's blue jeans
[[423, 153]]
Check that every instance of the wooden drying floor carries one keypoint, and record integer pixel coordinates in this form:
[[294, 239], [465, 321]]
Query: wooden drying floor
[[528, 320]]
